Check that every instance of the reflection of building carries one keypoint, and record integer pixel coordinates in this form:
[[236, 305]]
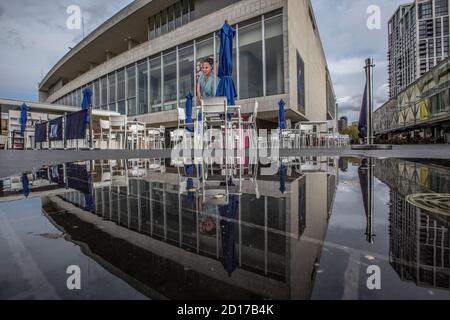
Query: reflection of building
[[419, 241], [418, 40], [156, 243], [419, 245], [142, 61]]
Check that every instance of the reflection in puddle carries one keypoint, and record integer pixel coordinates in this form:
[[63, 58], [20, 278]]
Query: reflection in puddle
[[188, 230]]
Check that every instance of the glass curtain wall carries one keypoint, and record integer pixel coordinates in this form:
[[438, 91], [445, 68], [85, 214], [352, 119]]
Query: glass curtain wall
[[112, 92], [186, 72], [273, 30], [155, 84], [131, 90], [104, 93], [250, 61], [164, 81], [121, 106], [142, 88], [96, 100], [170, 80]]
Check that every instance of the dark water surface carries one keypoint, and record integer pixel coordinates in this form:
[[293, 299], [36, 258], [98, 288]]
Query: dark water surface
[[149, 228]]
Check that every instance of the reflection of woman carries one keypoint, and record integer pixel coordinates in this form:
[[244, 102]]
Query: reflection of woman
[[207, 81]]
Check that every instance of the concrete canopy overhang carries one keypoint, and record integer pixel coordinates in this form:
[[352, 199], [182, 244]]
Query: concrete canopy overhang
[[129, 23]]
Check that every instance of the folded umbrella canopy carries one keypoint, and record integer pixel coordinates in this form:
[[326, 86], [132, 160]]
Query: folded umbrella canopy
[[282, 114], [87, 102], [226, 87], [189, 126], [23, 118]]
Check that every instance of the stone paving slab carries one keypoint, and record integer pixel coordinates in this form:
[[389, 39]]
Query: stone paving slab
[[15, 162]]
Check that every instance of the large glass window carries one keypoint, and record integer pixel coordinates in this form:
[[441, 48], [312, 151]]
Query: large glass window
[[186, 71], [143, 88], [104, 93], [170, 80], [301, 94], [441, 8], [112, 92], [96, 94], [121, 92], [274, 55], [79, 97], [250, 61], [131, 90], [121, 85], [155, 84]]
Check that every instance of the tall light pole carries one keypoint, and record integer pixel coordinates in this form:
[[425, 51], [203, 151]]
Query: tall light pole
[[369, 77]]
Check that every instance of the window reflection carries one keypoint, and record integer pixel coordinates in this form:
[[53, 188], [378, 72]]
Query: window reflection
[[143, 88], [250, 61], [186, 71], [155, 84], [131, 90], [170, 81]]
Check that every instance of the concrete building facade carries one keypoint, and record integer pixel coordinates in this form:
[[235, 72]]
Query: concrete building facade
[[143, 61], [418, 41]]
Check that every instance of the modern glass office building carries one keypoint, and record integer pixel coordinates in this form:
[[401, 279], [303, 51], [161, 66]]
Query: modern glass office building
[[143, 61]]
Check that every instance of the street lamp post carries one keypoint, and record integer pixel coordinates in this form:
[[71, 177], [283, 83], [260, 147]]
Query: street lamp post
[[369, 76]]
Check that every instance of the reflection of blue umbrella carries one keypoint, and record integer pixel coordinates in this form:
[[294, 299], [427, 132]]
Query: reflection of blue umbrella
[[189, 169], [226, 86], [282, 174], [228, 232], [25, 185], [362, 125], [87, 101], [190, 187], [23, 118], [189, 126], [282, 114]]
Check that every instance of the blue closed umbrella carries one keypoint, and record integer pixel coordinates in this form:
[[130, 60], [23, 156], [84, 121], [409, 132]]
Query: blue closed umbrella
[[23, 118], [87, 101], [25, 185], [282, 114], [226, 86], [282, 173], [189, 122]]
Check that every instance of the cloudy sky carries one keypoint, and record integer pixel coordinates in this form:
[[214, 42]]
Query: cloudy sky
[[34, 37]]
